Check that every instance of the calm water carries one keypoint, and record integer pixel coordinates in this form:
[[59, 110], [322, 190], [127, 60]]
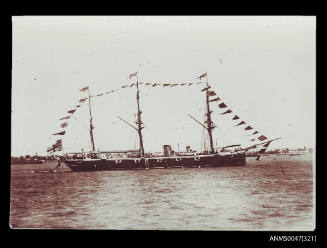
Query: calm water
[[275, 193]]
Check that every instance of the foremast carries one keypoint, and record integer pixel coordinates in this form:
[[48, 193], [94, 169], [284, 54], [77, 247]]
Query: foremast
[[91, 119], [210, 125]]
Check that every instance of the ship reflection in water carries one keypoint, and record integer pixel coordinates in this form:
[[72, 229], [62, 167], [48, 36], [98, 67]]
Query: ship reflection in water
[[275, 193]]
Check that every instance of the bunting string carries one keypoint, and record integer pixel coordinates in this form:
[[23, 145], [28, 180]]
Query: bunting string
[[208, 88], [223, 105], [83, 100]]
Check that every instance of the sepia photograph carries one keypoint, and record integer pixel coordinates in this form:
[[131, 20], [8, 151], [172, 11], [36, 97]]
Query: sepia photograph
[[163, 123]]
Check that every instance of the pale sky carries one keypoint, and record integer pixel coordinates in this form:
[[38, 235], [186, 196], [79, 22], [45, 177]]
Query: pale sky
[[266, 76]]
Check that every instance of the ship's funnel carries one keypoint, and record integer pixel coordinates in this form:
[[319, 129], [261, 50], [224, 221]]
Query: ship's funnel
[[168, 151]]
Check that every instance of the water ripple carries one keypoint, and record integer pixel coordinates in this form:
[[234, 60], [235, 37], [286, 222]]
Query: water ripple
[[274, 193]]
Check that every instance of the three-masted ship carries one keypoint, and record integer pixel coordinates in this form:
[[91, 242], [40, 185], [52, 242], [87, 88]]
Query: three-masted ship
[[139, 159]]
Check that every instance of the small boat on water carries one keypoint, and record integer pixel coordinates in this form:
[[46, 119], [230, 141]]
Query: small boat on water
[[139, 159]]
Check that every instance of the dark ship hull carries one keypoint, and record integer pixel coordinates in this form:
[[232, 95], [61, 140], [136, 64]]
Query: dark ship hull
[[157, 162]]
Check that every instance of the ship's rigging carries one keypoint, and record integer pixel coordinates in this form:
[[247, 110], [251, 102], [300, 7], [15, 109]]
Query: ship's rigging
[[139, 120], [208, 125], [91, 123]]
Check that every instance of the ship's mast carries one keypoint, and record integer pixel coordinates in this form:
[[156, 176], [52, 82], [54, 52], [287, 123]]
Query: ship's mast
[[91, 125], [139, 121], [208, 114], [209, 124]]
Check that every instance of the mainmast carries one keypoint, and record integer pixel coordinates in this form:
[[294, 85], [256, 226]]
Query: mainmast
[[91, 125], [139, 112]]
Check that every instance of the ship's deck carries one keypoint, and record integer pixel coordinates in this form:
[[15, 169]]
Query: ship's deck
[[158, 158]]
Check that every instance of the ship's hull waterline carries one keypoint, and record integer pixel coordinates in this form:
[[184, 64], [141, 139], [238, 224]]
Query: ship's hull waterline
[[155, 162]]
